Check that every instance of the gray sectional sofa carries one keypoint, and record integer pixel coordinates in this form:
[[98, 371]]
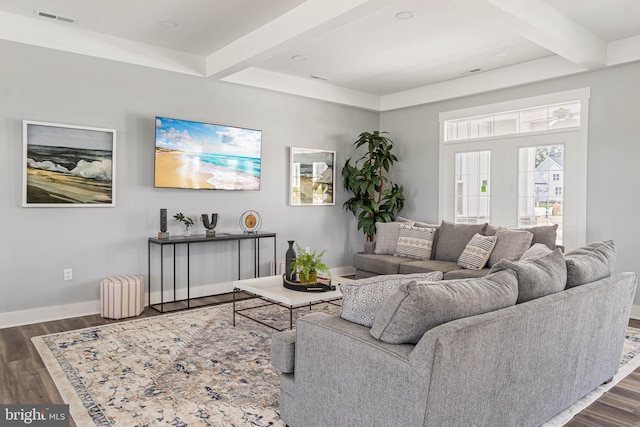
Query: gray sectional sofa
[[460, 352], [448, 243]]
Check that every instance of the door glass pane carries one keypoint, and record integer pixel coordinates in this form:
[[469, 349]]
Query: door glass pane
[[473, 171], [540, 186]]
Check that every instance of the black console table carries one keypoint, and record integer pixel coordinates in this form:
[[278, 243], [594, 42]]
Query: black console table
[[199, 239]]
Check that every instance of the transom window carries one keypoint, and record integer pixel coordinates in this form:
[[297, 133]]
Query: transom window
[[546, 117]]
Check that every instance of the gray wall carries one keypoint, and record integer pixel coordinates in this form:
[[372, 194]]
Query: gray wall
[[613, 159], [38, 243]]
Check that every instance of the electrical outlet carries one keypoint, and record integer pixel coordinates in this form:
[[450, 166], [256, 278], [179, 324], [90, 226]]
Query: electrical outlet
[[68, 274]]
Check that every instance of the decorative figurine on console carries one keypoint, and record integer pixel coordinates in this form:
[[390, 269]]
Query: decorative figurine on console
[[210, 225], [163, 233]]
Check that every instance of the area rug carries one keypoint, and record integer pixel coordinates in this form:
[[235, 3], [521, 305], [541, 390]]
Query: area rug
[[192, 368]]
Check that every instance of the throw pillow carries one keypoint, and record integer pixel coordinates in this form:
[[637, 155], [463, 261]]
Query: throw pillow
[[537, 277], [589, 263], [477, 252], [414, 242], [535, 251], [453, 238], [417, 307], [511, 245], [363, 298], [386, 237], [545, 234]]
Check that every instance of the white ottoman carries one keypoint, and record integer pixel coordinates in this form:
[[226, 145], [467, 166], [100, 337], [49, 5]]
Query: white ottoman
[[121, 296]]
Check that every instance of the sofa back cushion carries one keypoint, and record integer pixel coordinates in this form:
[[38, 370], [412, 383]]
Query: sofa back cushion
[[417, 306], [363, 298], [537, 277], [589, 263], [510, 244], [453, 238], [545, 234]]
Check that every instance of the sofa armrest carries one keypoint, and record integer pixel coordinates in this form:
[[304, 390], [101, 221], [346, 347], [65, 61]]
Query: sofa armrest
[[283, 351]]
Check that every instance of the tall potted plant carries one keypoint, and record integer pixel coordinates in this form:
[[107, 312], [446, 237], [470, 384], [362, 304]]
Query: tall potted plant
[[375, 198]]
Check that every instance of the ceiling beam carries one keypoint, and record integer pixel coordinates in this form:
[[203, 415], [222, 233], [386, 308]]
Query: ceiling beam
[[540, 23], [310, 19]]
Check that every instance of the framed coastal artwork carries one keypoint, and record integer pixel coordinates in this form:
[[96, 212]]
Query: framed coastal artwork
[[312, 176], [68, 166]]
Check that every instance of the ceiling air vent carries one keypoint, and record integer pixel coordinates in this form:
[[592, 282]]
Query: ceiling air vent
[[54, 17]]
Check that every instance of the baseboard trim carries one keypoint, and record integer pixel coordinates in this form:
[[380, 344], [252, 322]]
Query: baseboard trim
[[46, 314], [66, 311]]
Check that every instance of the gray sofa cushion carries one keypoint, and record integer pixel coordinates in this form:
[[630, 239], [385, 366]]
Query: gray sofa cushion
[[415, 242], [537, 250], [537, 277], [589, 263], [545, 234], [362, 299], [379, 264], [452, 239], [387, 237], [477, 252], [417, 307], [427, 265], [463, 273], [511, 245]]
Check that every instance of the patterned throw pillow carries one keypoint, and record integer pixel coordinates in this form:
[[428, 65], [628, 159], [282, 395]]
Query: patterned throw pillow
[[477, 252], [415, 242], [363, 298]]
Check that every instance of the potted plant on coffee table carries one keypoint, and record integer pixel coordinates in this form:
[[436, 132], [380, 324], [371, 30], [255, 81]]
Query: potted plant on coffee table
[[308, 264], [375, 198]]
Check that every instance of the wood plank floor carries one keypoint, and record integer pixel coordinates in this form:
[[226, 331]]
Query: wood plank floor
[[25, 380]]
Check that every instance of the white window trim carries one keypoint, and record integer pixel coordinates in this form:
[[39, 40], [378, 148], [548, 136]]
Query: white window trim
[[582, 95]]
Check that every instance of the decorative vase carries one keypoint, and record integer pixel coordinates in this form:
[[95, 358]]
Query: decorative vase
[[289, 257], [312, 277], [187, 231]]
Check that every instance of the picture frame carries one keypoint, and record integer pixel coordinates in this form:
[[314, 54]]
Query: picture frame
[[312, 177], [67, 165]]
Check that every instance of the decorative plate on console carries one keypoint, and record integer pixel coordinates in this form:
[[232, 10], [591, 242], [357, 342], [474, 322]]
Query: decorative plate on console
[[250, 222]]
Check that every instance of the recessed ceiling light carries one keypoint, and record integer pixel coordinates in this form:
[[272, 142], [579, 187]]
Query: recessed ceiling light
[[168, 24], [298, 57], [404, 15]]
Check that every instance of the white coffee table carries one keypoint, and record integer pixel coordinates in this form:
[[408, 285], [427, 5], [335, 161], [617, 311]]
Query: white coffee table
[[270, 289]]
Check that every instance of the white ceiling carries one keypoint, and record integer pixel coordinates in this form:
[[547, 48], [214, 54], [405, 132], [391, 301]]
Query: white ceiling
[[354, 52]]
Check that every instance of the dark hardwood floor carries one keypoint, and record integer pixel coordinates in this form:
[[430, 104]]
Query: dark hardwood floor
[[25, 380]]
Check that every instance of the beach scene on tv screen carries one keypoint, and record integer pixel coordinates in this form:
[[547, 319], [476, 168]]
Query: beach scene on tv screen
[[206, 156]]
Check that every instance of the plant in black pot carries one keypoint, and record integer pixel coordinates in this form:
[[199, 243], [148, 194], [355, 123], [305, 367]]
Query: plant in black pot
[[375, 198], [308, 265]]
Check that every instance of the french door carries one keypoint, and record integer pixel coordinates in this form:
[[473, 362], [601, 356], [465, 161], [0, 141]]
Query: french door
[[517, 181]]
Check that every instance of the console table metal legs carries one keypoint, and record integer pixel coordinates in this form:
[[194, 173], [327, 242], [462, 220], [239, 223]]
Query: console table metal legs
[[188, 241]]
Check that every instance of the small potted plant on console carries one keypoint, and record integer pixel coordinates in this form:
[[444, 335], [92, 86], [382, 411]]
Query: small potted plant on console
[[308, 264], [187, 221]]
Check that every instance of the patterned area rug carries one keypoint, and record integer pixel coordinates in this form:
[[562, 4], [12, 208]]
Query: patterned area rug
[[193, 368]]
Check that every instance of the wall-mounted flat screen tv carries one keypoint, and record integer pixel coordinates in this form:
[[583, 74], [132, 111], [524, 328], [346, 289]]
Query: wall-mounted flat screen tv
[[206, 156]]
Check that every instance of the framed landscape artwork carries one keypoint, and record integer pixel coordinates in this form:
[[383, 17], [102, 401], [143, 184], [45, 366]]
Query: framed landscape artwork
[[312, 177], [68, 166]]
